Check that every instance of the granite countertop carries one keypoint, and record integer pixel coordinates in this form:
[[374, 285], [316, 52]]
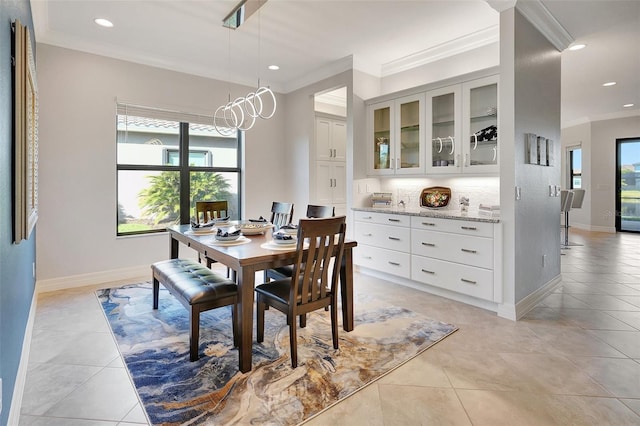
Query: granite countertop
[[445, 213]]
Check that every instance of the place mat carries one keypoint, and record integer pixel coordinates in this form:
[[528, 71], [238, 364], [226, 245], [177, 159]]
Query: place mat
[[274, 246], [241, 240]]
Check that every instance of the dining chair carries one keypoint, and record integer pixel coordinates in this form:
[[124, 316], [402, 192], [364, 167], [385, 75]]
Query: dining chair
[[313, 211], [320, 211], [207, 211], [281, 214], [311, 286]]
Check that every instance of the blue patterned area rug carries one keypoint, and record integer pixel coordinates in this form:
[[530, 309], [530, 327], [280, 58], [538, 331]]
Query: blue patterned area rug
[[175, 391]]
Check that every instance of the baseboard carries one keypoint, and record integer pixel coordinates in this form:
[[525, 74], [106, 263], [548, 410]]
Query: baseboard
[[530, 301], [94, 278], [21, 375]]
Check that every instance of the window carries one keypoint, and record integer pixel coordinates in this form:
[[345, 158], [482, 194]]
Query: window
[[575, 168], [165, 163]]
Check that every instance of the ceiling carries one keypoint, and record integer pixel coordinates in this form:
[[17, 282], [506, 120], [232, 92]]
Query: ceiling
[[312, 39]]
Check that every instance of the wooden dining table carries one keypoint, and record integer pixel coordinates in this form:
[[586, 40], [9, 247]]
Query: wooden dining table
[[249, 257]]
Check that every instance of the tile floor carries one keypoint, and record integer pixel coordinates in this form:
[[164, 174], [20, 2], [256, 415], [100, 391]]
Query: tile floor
[[574, 359]]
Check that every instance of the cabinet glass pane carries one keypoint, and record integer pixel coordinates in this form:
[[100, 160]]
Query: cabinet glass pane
[[443, 130], [381, 136], [410, 135], [483, 149]]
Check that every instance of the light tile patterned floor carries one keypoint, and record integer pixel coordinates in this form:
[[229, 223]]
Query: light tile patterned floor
[[574, 359]]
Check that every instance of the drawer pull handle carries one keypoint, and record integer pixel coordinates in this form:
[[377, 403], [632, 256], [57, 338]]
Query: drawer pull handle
[[394, 238], [428, 244], [367, 217], [428, 224], [394, 220], [468, 281], [367, 257], [427, 271], [469, 251], [367, 235], [394, 263], [469, 228]]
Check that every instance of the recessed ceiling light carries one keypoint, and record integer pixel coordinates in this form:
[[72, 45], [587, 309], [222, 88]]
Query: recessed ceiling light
[[610, 83], [103, 22], [627, 105], [577, 46], [273, 67]]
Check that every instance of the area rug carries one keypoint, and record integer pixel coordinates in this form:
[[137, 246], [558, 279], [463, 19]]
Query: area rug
[[174, 391]]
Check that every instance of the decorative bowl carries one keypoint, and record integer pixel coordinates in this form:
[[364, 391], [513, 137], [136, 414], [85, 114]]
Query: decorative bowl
[[254, 228], [435, 197]]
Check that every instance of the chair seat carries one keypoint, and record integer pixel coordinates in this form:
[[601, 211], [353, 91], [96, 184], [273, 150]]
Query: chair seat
[[279, 290]]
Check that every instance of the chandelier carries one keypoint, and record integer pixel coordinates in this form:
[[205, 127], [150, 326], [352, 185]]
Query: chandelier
[[242, 112]]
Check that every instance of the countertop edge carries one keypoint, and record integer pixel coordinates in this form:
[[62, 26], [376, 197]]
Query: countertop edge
[[471, 215]]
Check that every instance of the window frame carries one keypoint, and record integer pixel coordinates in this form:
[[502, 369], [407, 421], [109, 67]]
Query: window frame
[[184, 170]]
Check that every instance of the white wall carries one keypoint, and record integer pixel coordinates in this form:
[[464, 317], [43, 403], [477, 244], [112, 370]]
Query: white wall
[[77, 174]]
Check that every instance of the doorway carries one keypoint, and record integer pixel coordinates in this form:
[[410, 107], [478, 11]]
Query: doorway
[[628, 185]]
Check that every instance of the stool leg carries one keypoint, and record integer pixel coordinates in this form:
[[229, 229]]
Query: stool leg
[[194, 334], [156, 291]]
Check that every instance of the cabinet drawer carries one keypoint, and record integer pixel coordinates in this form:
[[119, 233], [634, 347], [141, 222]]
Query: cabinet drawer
[[383, 218], [474, 251], [389, 261], [390, 237], [476, 282], [464, 227]]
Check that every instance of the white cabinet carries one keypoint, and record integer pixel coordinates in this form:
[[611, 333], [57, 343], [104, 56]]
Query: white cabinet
[[331, 139], [462, 132], [330, 165], [456, 255], [331, 185], [460, 256], [396, 136], [384, 242]]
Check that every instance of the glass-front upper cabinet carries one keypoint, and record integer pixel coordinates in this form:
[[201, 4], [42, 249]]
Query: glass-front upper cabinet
[[410, 139], [443, 112], [382, 118], [397, 137], [480, 124]]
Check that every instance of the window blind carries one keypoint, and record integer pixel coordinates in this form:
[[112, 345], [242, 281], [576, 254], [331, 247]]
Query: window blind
[[162, 114]]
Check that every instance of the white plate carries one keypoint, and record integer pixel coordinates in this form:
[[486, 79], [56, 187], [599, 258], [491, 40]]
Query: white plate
[[202, 231], [273, 246], [240, 240], [287, 242]]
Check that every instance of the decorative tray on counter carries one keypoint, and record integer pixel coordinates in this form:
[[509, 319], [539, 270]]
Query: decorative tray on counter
[[435, 197]]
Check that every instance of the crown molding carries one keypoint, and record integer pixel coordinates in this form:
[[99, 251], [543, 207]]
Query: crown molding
[[546, 23], [331, 69], [459, 45]]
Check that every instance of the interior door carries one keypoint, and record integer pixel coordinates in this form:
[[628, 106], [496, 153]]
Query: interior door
[[628, 185]]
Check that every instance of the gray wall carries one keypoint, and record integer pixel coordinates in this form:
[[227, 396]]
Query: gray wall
[[537, 110], [77, 225], [16, 280], [529, 103]]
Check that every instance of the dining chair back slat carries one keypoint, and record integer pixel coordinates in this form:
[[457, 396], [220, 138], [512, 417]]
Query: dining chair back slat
[[316, 211]]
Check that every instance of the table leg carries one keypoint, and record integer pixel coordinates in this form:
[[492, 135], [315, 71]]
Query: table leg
[[246, 281], [173, 247], [346, 289]]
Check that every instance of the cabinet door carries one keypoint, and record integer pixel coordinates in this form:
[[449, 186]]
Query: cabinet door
[[331, 182], [331, 139], [324, 181], [339, 189], [339, 140], [444, 116], [480, 125], [409, 149], [381, 139], [323, 139]]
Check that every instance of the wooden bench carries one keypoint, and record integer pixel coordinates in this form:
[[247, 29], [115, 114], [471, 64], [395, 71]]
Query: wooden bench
[[198, 289]]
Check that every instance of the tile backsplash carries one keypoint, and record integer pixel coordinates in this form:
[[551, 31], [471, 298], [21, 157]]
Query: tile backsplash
[[479, 190]]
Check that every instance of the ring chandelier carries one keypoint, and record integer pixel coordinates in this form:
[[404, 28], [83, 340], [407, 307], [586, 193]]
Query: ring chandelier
[[242, 112]]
